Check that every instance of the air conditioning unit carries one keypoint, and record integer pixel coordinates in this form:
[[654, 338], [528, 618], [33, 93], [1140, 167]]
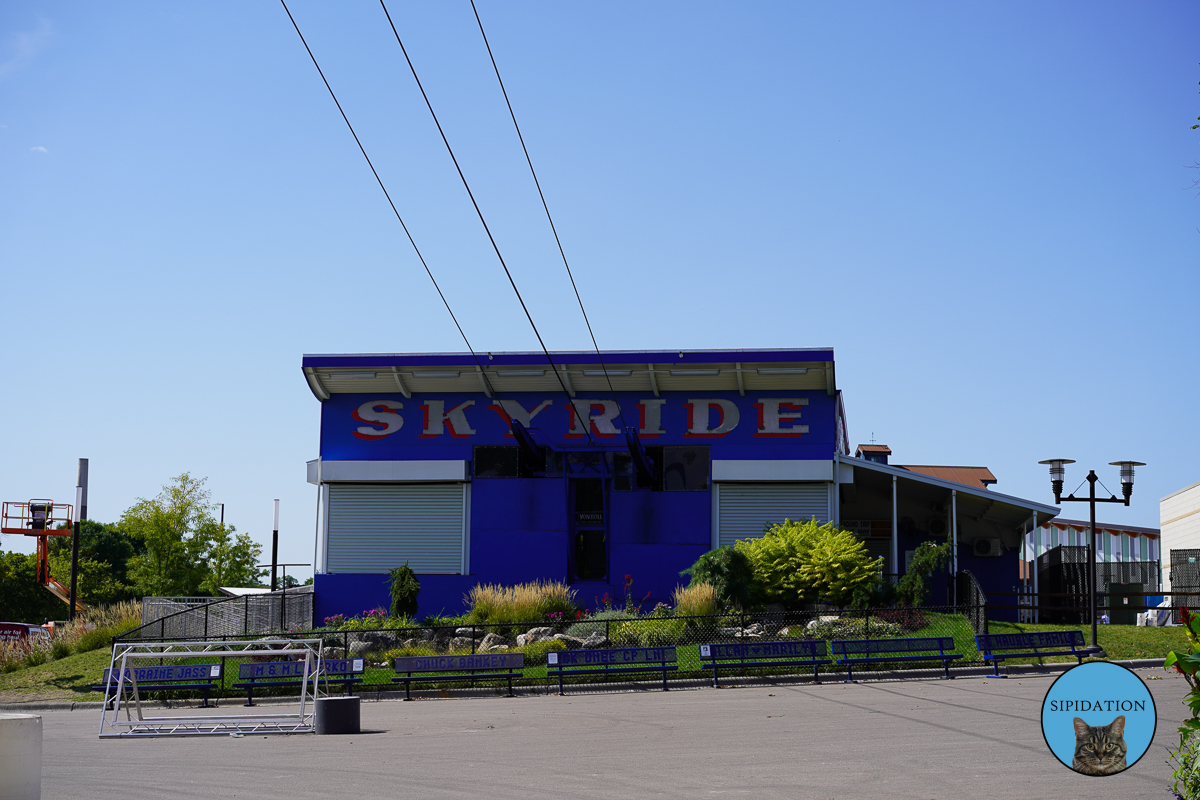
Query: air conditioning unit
[[988, 548], [937, 526]]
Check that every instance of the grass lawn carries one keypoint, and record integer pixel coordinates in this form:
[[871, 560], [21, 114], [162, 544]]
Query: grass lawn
[[71, 678], [1121, 642], [66, 679]]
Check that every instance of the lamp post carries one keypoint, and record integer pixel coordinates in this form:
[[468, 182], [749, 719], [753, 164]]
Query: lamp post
[[1057, 472]]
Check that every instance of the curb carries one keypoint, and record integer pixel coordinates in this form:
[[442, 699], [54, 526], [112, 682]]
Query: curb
[[691, 684]]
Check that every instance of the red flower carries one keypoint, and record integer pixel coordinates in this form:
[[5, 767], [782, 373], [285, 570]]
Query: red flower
[[629, 579]]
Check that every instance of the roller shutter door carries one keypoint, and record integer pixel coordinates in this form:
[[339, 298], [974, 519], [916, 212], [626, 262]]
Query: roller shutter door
[[744, 508], [375, 527]]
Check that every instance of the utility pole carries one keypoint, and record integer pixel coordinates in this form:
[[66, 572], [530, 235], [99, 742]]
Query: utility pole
[[81, 487], [275, 548]]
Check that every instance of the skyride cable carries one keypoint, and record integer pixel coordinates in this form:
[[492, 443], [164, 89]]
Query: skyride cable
[[571, 405], [546, 207], [378, 180]]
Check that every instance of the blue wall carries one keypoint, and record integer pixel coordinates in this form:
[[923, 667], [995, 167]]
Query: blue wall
[[520, 528]]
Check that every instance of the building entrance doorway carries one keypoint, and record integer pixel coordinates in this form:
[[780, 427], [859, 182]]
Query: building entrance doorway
[[589, 529]]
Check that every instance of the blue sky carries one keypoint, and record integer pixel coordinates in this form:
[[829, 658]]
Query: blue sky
[[984, 208]]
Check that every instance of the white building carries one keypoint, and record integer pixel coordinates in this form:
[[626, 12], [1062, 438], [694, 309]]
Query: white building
[[1179, 519], [1114, 543]]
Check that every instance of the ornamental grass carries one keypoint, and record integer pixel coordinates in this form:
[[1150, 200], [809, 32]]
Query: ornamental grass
[[697, 600], [525, 602]]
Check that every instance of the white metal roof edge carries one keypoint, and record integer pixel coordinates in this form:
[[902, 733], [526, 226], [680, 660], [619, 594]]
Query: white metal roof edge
[[1179, 491], [958, 487]]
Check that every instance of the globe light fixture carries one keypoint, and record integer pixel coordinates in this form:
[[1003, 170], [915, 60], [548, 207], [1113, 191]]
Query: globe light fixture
[[1057, 472]]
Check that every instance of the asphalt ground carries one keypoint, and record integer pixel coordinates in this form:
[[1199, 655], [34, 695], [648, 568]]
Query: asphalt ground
[[921, 739]]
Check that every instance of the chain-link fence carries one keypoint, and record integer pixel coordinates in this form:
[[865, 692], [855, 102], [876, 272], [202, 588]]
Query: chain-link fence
[[270, 612], [379, 647]]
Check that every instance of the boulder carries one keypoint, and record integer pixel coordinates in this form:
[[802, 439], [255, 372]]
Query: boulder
[[358, 648], [474, 633], [490, 642], [461, 643], [534, 635], [333, 652], [595, 641]]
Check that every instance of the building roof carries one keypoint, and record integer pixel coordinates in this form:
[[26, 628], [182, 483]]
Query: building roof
[[980, 477], [628, 370], [874, 448], [1080, 524], [973, 500]]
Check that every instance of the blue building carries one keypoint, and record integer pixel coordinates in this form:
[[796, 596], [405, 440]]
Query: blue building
[[503, 468]]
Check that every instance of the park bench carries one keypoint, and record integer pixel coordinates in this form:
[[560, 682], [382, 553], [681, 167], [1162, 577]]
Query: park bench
[[616, 661], [344, 672], [809, 653], [194, 677], [481, 666], [1032, 645], [874, 651]]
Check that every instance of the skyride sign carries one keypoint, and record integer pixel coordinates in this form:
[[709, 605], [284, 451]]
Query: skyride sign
[[794, 424]]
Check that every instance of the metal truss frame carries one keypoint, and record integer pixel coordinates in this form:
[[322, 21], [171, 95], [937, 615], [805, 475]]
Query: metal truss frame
[[123, 694]]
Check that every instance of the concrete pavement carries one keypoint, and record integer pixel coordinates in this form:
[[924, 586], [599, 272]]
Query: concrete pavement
[[921, 739]]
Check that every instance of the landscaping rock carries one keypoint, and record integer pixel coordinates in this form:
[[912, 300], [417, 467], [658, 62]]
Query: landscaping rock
[[491, 642], [595, 641], [475, 633], [333, 652], [358, 648], [534, 635], [461, 643]]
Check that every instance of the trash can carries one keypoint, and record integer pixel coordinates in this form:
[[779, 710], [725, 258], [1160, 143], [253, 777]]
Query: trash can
[[20, 756], [337, 715]]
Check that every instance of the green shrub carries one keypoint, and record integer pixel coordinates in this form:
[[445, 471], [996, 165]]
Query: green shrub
[[59, 649], [434, 621], [97, 638], [797, 562], [928, 556], [426, 650], [594, 624], [853, 628], [535, 654], [730, 573], [404, 589], [36, 657], [649, 632]]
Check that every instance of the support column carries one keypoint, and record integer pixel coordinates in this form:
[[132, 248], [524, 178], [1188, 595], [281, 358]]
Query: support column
[[895, 532], [954, 539]]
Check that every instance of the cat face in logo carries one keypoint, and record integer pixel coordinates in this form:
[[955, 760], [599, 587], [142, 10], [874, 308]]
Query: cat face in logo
[[1100, 749]]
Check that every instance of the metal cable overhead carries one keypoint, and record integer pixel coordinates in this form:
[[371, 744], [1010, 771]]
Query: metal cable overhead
[[379, 180], [495, 247], [546, 208]]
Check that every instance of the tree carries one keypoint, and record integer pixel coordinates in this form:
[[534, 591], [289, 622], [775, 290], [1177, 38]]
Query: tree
[[728, 571], [104, 554], [404, 590], [174, 528], [22, 598], [232, 558], [798, 562]]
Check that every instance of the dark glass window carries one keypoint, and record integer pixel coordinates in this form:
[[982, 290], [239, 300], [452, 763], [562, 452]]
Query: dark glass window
[[685, 469], [625, 475], [589, 502], [591, 555], [496, 462]]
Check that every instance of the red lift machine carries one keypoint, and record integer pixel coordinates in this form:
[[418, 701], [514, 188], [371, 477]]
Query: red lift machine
[[43, 519]]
